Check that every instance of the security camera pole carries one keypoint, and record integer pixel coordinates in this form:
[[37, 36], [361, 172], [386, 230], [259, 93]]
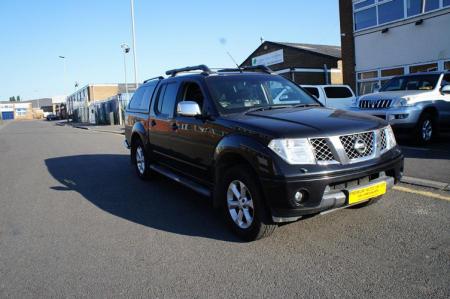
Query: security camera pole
[[126, 50]]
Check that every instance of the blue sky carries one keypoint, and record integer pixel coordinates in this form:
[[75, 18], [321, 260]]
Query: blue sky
[[168, 34]]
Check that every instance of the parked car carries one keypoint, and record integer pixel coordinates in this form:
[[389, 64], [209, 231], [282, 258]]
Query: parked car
[[262, 162], [416, 104], [333, 96], [51, 117]]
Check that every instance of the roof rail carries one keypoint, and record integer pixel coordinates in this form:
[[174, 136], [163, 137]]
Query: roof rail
[[261, 68], [155, 78], [200, 67]]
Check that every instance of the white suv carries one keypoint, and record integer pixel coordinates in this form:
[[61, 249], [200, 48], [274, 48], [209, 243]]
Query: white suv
[[418, 104], [332, 96]]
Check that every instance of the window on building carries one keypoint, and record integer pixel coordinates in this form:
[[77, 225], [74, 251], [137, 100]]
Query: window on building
[[431, 5], [390, 11], [368, 75], [414, 7], [430, 67], [392, 72], [446, 3], [363, 4], [447, 64], [338, 92], [313, 90], [366, 18]]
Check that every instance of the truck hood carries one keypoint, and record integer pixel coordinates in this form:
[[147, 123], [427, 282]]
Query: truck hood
[[305, 122]]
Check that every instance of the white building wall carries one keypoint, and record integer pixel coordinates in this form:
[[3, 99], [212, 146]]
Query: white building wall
[[404, 44]]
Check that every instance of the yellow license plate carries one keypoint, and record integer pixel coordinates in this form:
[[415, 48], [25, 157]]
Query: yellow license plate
[[363, 194]]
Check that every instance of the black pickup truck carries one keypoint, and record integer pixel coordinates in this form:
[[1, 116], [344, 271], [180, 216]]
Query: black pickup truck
[[262, 148]]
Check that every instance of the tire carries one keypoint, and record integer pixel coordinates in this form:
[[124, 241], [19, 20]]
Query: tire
[[366, 203], [426, 129], [140, 160], [245, 214]]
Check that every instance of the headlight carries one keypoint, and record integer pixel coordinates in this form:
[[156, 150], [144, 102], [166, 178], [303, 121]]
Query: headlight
[[390, 138], [293, 151], [355, 102], [404, 102]]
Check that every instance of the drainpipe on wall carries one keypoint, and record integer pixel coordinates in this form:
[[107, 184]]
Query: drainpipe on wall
[[325, 71]]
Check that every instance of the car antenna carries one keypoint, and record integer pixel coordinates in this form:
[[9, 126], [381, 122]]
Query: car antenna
[[223, 42]]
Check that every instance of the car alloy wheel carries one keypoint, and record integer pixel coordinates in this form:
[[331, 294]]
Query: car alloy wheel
[[427, 130], [140, 160], [240, 204]]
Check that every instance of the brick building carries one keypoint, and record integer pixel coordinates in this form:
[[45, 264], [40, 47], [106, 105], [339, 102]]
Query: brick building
[[79, 101], [384, 38], [302, 63]]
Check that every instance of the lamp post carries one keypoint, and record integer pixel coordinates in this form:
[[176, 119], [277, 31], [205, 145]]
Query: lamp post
[[65, 74], [134, 43]]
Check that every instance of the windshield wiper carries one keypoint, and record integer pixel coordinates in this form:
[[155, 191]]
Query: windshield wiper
[[267, 108], [306, 105]]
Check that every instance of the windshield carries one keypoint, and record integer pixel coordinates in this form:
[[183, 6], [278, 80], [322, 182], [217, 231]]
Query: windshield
[[414, 82], [240, 93]]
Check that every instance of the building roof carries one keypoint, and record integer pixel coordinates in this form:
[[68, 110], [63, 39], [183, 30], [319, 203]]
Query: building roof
[[329, 50]]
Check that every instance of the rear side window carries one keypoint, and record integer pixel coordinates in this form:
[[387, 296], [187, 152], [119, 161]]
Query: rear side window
[[146, 98], [166, 99], [136, 100], [312, 90], [446, 80], [338, 92]]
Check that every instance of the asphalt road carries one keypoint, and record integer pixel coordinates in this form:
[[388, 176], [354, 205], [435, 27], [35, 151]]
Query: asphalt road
[[428, 162], [76, 222]]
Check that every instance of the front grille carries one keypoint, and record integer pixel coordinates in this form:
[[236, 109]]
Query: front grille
[[349, 141], [383, 141], [374, 104], [352, 148], [321, 149]]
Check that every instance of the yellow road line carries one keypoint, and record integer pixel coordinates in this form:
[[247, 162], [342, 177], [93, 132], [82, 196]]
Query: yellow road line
[[424, 193]]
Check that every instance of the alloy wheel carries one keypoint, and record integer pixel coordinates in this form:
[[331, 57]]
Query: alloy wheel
[[140, 160], [427, 130], [240, 204]]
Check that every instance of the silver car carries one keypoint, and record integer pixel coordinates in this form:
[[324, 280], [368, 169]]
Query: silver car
[[418, 104]]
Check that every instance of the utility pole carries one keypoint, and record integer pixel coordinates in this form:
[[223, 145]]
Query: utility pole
[[134, 44]]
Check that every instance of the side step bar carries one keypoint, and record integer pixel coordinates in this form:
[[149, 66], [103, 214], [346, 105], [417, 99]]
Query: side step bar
[[182, 180]]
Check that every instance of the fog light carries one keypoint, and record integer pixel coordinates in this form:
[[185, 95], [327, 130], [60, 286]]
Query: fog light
[[299, 198], [401, 116]]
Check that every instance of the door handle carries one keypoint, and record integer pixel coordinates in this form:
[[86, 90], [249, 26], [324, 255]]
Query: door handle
[[174, 126], [153, 123]]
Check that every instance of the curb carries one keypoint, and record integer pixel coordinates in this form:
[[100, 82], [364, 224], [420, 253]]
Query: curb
[[425, 183], [93, 130], [104, 131]]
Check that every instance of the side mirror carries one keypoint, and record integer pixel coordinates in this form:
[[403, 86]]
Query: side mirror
[[188, 108], [445, 89]]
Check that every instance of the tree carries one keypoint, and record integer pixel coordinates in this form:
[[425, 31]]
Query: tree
[[18, 99], [12, 99]]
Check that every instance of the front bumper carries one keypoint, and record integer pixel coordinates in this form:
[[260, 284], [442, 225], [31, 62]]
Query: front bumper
[[325, 192], [398, 117]]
